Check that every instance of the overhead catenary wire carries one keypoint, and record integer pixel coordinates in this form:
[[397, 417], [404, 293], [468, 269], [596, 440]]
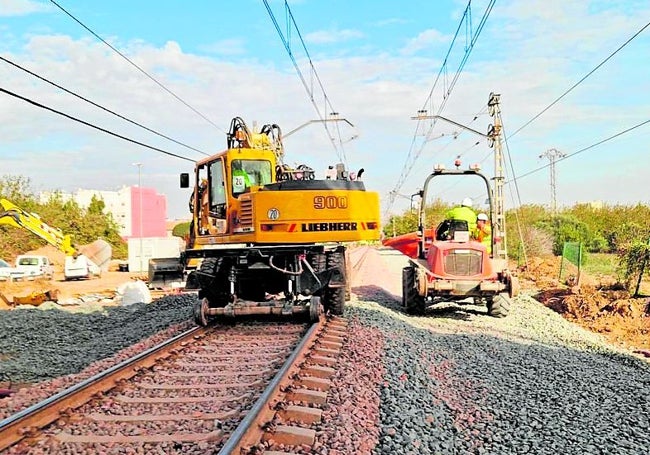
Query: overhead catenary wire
[[287, 45], [459, 155], [104, 130], [610, 56], [515, 178], [6, 60], [413, 157], [138, 67]]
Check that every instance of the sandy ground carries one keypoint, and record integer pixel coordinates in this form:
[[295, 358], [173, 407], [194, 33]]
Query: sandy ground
[[63, 290], [596, 304], [60, 289]]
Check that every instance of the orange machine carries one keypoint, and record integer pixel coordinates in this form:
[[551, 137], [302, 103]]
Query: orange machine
[[266, 238], [447, 264]]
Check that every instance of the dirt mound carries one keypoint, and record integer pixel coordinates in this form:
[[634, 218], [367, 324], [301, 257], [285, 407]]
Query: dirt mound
[[56, 257], [540, 273], [595, 304]]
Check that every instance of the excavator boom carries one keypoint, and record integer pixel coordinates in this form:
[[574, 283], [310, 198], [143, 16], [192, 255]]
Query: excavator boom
[[78, 264], [12, 215]]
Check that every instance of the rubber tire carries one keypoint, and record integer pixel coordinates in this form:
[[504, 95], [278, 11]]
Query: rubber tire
[[334, 298], [209, 266], [499, 306], [212, 286], [318, 262], [412, 302]]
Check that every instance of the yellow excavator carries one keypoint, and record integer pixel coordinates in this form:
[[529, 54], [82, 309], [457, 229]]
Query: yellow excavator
[[77, 265], [266, 238], [12, 215]]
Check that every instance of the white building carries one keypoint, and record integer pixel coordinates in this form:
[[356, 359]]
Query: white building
[[124, 206]]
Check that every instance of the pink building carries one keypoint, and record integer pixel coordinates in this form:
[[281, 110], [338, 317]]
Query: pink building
[[124, 205], [153, 213]]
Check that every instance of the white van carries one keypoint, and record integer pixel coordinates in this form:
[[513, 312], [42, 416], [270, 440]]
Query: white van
[[35, 266], [80, 267]]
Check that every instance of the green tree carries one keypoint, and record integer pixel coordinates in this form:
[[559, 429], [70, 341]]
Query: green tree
[[181, 230], [96, 206], [565, 228], [83, 226], [634, 261], [408, 221], [622, 235]]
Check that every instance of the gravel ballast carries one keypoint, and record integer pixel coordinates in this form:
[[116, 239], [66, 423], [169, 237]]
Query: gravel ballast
[[465, 393], [39, 344], [454, 381], [457, 381]]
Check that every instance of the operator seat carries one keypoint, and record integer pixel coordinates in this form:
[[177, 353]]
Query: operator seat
[[446, 229]]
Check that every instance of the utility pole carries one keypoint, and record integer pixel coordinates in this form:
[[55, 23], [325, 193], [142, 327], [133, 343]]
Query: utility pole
[[553, 155], [140, 212], [494, 137]]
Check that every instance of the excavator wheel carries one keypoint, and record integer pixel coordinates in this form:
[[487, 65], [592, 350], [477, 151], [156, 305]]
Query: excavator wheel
[[499, 306], [201, 312], [207, 272], [334, 295], [212, 283], [412, 301], [318, 262]]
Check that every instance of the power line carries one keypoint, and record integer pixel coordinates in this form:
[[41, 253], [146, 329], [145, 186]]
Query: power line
[[136, 66], [42, 106], [512, 167], [620, 133], [581, 80], [99, 106], [411, 159], [287, 46]]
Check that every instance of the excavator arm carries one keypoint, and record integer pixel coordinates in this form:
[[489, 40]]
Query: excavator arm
[[12, 215]]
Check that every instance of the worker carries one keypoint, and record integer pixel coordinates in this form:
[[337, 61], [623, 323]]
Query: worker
[[240, 179], [204, 206], [464, 212], [483, 231]]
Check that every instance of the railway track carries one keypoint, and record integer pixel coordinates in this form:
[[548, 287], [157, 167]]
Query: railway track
[[243, 388]]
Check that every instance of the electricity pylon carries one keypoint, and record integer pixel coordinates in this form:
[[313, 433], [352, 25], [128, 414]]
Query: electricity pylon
[[553, 155]]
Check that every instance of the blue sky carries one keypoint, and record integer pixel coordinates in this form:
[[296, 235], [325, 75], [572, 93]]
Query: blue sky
[[377, 61]]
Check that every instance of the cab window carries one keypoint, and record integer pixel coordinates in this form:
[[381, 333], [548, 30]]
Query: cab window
[[246, 173], [217, 190]]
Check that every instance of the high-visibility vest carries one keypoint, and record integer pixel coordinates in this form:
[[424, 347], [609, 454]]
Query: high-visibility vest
[[463, 213]]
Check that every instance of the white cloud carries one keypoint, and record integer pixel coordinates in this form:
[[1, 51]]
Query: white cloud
[[426, 39], [332, 36], [22, 7], [227, 47], [391, 21]]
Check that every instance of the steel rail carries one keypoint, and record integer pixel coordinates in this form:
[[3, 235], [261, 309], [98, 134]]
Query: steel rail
[[246, 433], [19, 425]]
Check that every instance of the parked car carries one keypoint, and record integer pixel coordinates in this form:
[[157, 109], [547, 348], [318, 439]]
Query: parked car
[[9, 273], [35, 266]]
